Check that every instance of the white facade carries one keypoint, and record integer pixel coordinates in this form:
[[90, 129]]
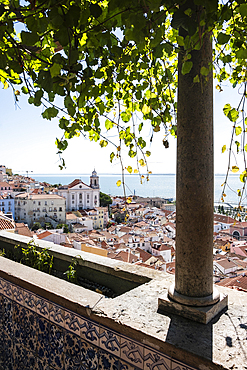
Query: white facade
[[80, 196], [32, 208]]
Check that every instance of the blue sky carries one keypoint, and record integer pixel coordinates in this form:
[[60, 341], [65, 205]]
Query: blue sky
[[28, 141]]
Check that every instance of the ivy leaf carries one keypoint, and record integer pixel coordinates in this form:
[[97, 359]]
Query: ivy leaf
[[243, 10], [135, 171], [50, 113], [223, 149], [108, 124], [241, 53], [112, 155], [129, 169], [148, 153], [186, 67], [142, 163], [230, 113], [145, 109], [204, 71], [222, 38], [119, 182], [196, 79], [235, 169], [103, 143], [29, 38], [95, 10], [24, 89], [238, 130], [55, 69]]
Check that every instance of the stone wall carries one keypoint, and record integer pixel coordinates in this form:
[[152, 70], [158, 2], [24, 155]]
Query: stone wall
[[47, 323]]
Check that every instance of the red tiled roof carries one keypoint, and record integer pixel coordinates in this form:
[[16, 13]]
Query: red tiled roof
[[6, 224], [44, 234], [126, 257], [22, 229], [238, 282], [76, 182]]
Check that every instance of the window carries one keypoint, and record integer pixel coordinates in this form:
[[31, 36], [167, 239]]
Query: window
[[39, 203], [73, 202], [73, 197], [80, 196], [34, 202], [60, 209], [45, 203], [87, 196], [50, 209]]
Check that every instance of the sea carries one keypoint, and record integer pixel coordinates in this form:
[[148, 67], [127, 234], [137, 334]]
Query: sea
[[159, 185]]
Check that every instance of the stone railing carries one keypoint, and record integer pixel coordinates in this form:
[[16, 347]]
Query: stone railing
[[48, 323]]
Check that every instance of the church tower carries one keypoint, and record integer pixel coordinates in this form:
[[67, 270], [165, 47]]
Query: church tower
[[94, 180]]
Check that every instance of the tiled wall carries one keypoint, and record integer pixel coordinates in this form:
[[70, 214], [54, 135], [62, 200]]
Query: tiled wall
[[38, 334]]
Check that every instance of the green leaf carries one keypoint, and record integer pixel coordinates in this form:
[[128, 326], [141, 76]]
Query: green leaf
[[55, 69], [186, 67], [24, 89], [29, 38], [146, 109], [235, 169], [222, 38], [180, 40], [204, 71], [50, 113], [230, 113], [103, 143], [108, 124], [69, 104], [243, 10], [241, 53], [196, 79], [238, 130], [112, 155], [95, 10]]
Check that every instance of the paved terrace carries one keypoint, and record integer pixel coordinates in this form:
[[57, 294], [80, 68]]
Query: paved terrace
[[126, 332]]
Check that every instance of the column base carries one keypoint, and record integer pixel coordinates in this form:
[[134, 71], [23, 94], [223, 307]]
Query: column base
[[202, 314], [193, 301]]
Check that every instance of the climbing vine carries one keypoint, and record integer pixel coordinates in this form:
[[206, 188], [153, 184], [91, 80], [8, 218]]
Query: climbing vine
[[109, 67]]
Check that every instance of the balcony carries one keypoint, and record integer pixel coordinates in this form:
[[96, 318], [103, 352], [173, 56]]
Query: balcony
[[50, 323]]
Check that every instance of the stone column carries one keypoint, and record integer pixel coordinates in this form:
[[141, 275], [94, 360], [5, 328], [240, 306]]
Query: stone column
[[195, 183]]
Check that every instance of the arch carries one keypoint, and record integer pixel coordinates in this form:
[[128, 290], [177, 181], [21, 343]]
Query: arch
[[236, 234]]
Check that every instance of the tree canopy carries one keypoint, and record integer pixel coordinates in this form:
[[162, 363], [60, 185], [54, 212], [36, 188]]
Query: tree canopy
[[104, 199], [111, 66]]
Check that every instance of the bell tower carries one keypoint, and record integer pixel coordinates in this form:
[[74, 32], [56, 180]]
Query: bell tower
[[94, 180]]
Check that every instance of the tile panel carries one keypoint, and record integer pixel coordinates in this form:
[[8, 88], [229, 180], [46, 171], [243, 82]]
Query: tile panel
[[39, 334]]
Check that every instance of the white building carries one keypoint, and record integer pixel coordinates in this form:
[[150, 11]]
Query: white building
[[80, 196], [31, 208]]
